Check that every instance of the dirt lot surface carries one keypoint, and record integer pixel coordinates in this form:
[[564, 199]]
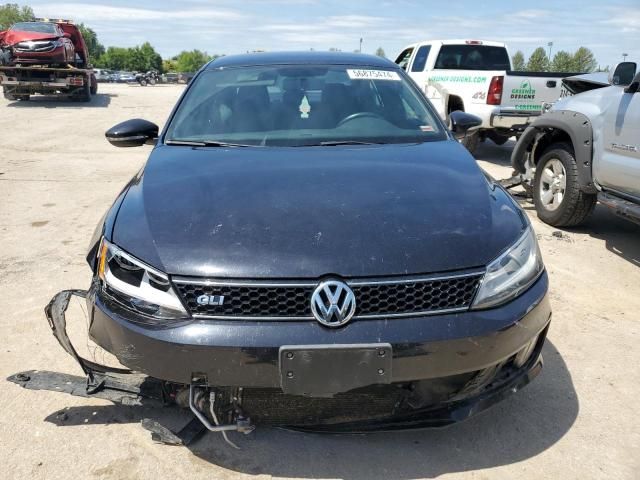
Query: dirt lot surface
[[58, 175]]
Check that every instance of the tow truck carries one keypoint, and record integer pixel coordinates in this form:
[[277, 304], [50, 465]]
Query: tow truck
[[76, 82]]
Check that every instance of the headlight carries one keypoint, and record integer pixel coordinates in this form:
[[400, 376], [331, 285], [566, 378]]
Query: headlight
[[137, 286], [511, 273]]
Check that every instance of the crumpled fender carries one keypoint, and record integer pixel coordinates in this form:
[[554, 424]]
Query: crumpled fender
[[577, 126]]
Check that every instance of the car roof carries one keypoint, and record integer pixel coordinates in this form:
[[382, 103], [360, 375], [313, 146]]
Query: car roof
[[301, 58]]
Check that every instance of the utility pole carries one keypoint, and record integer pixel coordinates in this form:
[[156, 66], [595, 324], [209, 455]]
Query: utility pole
[[550, 45], [360, 45]]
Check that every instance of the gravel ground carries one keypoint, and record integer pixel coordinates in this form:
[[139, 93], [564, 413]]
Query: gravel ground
[[57, 177]]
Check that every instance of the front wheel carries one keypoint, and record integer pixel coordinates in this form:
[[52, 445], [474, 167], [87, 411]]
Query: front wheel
[[142, 82], [556, 190]]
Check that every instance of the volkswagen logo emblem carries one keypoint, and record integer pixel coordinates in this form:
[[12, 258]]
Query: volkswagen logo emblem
[[333, 303]]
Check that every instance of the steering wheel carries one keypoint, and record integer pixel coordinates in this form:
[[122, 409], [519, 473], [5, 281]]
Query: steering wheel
[[357, 115]]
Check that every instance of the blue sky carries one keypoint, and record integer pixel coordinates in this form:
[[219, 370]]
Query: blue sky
[[609, 28]]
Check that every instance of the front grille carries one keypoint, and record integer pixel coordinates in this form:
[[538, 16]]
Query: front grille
[[36, 47], [292, 301]]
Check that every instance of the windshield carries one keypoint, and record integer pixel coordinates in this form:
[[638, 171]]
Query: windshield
[[303, 105], [472, 57], [39, 27]]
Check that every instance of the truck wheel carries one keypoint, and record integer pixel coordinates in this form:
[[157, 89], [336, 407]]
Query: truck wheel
[[143, 82], [556, 191], [94, 86], [471, 142], [84, 95], [8, 96]]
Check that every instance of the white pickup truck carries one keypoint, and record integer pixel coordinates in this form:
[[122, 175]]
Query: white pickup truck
[[476, 76]]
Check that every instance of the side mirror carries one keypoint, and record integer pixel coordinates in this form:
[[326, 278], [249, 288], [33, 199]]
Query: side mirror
[[461, 122], [634, 86], [66, 35], [132, 133], [623, 73]]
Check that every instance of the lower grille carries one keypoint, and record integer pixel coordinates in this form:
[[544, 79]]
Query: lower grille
[[262, 300]]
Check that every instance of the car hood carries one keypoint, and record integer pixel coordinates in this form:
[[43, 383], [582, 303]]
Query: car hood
[[11, 37], [314, 211]]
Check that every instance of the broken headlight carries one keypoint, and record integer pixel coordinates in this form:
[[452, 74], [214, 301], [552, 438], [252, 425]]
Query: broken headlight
[[511, 273], [136, 285]]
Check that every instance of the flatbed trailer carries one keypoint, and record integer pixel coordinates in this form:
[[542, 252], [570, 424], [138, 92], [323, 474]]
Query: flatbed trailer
[[20, 82]]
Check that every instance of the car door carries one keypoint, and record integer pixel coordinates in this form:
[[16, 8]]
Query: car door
[[619, 166]]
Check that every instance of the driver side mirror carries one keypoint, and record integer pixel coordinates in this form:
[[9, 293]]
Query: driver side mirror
[[132, 133], [66, 35], [623, 73], [462, 122]]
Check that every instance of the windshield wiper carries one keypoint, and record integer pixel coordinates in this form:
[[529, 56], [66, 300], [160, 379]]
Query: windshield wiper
[[205, 143], [334, 143]]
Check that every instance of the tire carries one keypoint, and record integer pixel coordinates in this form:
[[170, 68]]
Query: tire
[[471, 142], [152, 81], [94, 86], [84, 95], [142, 82], [556, 190], [8, 96]]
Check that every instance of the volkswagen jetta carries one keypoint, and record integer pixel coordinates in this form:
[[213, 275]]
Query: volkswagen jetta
[[309, 245]]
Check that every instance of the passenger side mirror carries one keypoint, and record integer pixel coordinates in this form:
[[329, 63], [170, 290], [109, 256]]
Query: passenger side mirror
[[461, 122], [132, 133], [634, 86], [623, 73]]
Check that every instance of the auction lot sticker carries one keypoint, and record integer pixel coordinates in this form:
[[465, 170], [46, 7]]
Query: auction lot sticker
[[372, 75]]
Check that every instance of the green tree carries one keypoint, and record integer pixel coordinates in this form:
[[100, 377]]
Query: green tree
[[114, 58], [517, 61], [11, 13], [380, 52], [191, 61], [562, 62], [169, 66], [137, 59], [584, 61], [95, 48], [152, 59], [538, 61]]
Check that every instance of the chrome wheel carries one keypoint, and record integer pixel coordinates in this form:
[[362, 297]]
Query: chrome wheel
[[553, 184]]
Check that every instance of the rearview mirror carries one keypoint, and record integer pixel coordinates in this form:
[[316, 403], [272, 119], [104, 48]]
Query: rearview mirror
[[461, 122], [623, 73], [132, 133]]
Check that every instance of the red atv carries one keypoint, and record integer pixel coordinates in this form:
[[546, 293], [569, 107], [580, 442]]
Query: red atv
[[43, 43]]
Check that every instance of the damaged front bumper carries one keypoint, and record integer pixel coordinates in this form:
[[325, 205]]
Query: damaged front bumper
[[360, 410]]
